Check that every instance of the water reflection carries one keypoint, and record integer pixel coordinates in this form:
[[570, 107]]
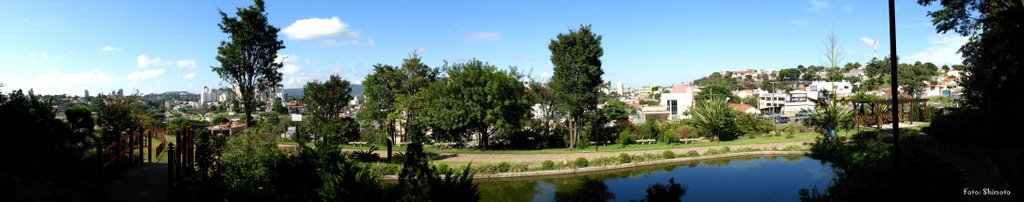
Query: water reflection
[[771, 178]]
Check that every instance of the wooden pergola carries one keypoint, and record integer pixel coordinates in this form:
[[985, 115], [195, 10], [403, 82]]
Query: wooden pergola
[[877, 116]]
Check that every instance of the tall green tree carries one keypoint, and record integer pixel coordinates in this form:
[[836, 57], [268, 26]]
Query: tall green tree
[[993, 57], [379, 90], [478, 97], [324, 104], [577, 63], [717, 91], [247, 59], [393, 99]]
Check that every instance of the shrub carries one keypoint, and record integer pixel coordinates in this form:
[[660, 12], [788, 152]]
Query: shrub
[[378, 169], [713, 151], [547, 165], [645, 157], [793, 147], [745, 149], [625, 138], [867, 135], [692, 153], [580, 162], [624, 158], [604, 161], [503, 167], [365, 156], [441, 168], [668, 154]]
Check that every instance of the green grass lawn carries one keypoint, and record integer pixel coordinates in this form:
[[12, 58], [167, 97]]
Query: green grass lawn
[[743, 140]]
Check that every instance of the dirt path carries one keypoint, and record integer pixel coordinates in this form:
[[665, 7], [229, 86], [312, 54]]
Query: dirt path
[[462, 158]]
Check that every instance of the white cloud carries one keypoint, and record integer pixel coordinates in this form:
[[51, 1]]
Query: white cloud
[[847, 8], [798, 22], [318, 27], [144, 61], [186, 63], [296, 80], [289, 61], [145, 74], [39, 58], [484, 36], [942, 51], [817, 6], [56, 81], [332, 43], [420, 50], [190, 75], [109, 49]]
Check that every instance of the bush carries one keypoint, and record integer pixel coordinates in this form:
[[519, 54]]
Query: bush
[[378, 169], [713, 151], [625, 138], [547, 165], [604, 161], [692, 153], [624, 158], [504, 167], [580, 162], [668, 154], [867, 135], [440, 168]]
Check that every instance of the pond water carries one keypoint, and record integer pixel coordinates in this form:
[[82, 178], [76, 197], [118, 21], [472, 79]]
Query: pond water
[[767, 178]]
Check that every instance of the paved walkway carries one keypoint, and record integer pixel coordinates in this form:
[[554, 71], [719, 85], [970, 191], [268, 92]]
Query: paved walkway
[[146, 182]]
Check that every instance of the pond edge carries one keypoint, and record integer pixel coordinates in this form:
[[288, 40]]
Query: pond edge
[[619, 166]]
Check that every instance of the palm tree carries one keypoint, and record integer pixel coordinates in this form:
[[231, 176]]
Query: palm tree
[[829, 116], [713, 116]]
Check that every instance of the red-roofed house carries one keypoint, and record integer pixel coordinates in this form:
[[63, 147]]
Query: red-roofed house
[[745, 108]]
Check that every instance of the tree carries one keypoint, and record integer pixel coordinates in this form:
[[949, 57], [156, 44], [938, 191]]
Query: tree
[[993, 57], [248, 59], [830, 116], [577, 64], [380, 91], [477, 97], [714, 117], [392, 96], [717, 91], [116, 118], [324, 104], [615, 110], [80, 119], [279, 108]]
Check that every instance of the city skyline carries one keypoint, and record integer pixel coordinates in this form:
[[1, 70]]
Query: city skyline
[[68, 47]]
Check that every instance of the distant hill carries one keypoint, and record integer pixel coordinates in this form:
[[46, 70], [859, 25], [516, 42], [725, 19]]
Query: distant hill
[[296, 93]]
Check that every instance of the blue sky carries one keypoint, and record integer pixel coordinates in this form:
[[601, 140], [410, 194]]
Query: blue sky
[[63, 47]]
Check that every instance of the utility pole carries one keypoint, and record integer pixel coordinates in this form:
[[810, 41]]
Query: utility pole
[[893, 67]]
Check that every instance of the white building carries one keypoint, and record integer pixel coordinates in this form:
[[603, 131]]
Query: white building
[[839, 88], [620, 89], [771, 103], [797, 101], [679, 100]]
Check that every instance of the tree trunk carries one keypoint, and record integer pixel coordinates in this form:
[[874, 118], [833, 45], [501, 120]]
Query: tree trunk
[[483, 138], [391, 140]]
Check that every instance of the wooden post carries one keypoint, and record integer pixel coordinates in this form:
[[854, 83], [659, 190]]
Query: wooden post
[[878, 116], [99, 156], [170, 170], [149, 146]]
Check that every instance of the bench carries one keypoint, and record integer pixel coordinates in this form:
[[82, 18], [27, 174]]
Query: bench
[[645, 141], [689, 140], [447, 145], [602, 143], [357, 143]]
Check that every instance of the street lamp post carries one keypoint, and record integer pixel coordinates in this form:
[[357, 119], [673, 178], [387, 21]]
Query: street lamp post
[[893, 85]]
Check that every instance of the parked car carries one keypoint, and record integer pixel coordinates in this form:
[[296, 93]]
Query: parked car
[[781, 120]]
